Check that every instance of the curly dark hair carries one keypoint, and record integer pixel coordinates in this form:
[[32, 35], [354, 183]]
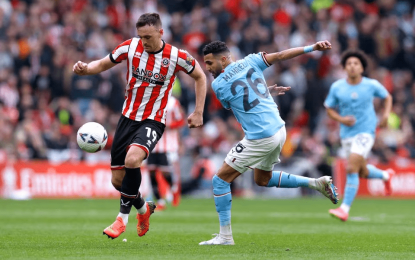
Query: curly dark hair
[[354, 53], [152, 19], [215, 48]]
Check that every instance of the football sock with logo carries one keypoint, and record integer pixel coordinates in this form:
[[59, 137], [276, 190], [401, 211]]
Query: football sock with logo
[[154, 184], [129, 189], [352, 185], [223, 202], [282, 179], [375, 173]]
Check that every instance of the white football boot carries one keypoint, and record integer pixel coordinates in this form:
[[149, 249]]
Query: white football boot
[[219, 240], [325, 186]]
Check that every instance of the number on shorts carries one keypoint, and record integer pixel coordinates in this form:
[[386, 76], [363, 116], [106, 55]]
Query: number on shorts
[[151, 132], [362, 140]]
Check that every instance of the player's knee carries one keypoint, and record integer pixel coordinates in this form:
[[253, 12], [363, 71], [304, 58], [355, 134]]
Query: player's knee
[[133, 160], [364, 172], [261, 181]]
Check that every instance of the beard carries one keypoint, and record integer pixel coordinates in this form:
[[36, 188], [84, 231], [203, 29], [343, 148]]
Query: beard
[[216, 73]]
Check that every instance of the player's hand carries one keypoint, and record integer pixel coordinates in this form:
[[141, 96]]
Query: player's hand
[[383, 121], [80, 68], [348, 120], [195, 120], [278, 91], [322, 46]]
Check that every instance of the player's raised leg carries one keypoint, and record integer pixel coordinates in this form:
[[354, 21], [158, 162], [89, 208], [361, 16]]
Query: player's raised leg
[[223, 202], [385, 175], [282, 179], [129, 190], [264, 176]]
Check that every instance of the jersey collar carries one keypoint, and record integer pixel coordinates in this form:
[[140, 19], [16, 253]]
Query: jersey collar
[[227, 67], [162, 48]]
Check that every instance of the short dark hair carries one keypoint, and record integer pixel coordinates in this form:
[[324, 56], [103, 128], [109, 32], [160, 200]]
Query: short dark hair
[[152, 19], [354, 53], [215, 48]]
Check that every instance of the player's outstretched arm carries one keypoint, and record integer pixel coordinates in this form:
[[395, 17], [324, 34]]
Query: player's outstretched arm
[[294, 52], [386, 111], [196, 118], [94, 67]]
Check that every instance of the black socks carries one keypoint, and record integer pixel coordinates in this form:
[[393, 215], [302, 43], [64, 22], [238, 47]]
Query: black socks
[[129, 189]]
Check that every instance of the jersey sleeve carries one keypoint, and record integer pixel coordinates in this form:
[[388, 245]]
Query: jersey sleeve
[[120, 53], [380, 90], [185, 62], [221, 97], [258, 60], [331, 99]]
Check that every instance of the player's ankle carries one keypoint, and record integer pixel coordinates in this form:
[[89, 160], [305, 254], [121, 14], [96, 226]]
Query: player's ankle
[[143, 209], [124, 217]]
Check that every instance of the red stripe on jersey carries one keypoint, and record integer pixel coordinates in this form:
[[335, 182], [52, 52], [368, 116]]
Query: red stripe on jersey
[[124, 55], [156, 90], [140, 91], [131, 84], [160, 112]]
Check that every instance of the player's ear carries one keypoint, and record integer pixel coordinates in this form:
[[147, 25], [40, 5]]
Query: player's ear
[[223, 59], [161, 31]]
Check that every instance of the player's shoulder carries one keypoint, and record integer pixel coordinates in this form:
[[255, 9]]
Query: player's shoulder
[[370, 81], [339, 84]]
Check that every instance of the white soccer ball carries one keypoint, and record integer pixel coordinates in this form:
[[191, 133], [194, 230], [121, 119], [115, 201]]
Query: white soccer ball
[[92, 137]]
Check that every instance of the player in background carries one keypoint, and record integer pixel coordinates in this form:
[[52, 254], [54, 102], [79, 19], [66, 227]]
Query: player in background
[[152, 65], [165, 154], [353, 99], [241, 86]]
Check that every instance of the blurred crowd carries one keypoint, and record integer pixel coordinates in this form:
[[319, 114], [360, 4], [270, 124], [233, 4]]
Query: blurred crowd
[[43, 103]]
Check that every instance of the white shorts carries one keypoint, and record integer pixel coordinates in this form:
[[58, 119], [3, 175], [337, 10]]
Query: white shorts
[[360, 144], [260, 153]]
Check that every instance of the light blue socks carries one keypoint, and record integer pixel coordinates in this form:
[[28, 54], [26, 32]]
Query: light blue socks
[[375, 173], [282, 179], [352, 185], [223, 202]]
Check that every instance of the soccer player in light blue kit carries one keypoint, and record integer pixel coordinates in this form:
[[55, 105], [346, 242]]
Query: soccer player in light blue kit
[[353, 98], [241, 86]]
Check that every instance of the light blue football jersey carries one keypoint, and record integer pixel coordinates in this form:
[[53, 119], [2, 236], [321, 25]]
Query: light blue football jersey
[[357, 101], [242, 88]]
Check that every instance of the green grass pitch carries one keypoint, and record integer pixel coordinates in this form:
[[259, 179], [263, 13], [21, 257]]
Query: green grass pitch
[[263, 229]]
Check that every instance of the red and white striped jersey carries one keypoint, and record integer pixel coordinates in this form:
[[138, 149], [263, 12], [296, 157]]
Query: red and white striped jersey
[[150, 77], [169, 141]]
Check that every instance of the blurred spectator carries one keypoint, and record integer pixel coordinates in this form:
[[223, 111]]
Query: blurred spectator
[[42, 103]]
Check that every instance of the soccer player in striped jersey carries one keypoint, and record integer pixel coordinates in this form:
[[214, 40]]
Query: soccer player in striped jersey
[[240, 86], [350, 102], [152, 65], [165, 155]]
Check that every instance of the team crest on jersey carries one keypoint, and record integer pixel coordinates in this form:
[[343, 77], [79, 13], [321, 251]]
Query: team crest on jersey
[[137, 54], [165, 62], [354, 95]]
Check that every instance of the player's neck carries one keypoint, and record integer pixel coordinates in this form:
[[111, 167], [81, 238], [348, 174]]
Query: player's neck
[[228, 61], [161, 46], [354, 80]]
